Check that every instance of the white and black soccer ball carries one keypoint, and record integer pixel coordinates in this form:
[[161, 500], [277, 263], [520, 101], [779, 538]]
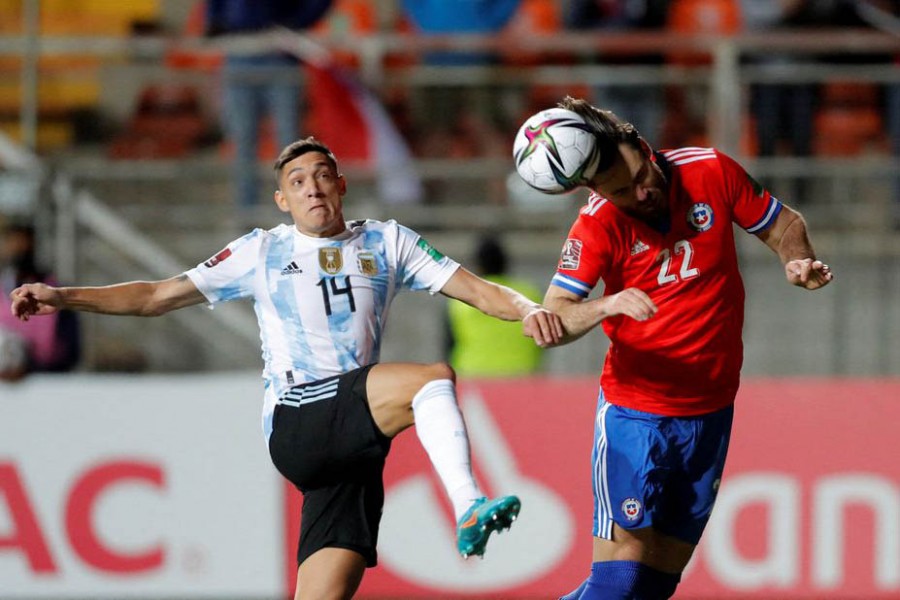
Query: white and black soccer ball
[[556, 151]]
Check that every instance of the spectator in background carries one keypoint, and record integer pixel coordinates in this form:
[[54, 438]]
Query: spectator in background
[[259, 83], [884, 15], [640, 103], [463, 122], [54, 345], [784, 111], [480, 346], [434, 17]]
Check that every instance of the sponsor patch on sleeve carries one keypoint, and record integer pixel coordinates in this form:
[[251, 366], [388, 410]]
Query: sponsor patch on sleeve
[[217, 258], [429, 250], [571, 255]]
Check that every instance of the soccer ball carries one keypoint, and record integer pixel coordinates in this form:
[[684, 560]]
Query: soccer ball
[[556, 151]]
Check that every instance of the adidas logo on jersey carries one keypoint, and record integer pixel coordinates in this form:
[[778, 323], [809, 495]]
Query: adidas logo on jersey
[[292, 269], [639, 247]]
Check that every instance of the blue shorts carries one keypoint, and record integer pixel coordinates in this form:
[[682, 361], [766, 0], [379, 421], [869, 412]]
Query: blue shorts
[[656, 471]]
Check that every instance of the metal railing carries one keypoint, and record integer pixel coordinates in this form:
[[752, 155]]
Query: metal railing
[[81, 214]]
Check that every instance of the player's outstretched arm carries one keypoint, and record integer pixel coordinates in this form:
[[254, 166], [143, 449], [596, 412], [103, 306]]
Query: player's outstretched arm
[[789, 239], [141, 298], [580, 316], [507, 304]]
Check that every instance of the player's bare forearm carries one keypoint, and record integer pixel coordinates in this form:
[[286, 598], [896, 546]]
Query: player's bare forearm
[[580, 316], [490, 298], [132, 298], [789, 238], [505, 303], [138, 298], [538, 323]]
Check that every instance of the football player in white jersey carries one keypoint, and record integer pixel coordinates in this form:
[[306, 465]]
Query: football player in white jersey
[[321, 290]]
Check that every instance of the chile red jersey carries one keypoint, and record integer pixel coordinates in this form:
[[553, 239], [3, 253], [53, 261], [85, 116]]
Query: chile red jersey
[[686, 360]]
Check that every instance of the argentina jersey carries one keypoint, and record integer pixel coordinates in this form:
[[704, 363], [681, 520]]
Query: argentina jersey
[[321, 303]]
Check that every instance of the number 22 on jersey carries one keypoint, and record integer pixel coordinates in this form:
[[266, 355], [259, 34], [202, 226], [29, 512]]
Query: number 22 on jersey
[[667, 268]]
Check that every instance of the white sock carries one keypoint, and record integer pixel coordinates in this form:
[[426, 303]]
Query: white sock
[[442, 432]]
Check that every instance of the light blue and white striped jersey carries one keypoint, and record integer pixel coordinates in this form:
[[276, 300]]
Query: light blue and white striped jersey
[[321, 303]]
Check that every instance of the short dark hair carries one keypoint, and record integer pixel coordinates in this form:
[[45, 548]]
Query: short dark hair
[[299, 148], [610, 129]]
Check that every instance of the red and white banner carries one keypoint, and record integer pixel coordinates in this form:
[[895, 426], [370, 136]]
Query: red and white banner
[[136, 486], [809, 506], [161, 486]]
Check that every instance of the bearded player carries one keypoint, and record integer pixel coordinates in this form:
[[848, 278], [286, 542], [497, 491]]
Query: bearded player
[[657, 230]]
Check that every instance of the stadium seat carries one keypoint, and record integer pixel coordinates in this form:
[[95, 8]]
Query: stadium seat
[[848, 131], [849, 120], [194, 27], [167, 123], [701, 17], [69, 85], [534, 18], [685, 107]]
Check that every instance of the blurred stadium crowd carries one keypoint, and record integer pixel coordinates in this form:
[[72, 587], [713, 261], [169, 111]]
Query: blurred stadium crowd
[[457, 119], [132, 103]]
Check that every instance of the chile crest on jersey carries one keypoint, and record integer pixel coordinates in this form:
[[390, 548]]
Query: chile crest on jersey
[[700, 216]]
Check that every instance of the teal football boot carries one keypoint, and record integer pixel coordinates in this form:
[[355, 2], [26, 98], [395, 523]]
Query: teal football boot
[[483, 518]]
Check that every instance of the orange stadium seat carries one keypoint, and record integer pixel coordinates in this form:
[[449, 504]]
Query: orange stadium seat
[[193, 28], [534, 18], [701, 17], [848, 131], [684, 123], [849, 120], [68, 84], [168, 123]]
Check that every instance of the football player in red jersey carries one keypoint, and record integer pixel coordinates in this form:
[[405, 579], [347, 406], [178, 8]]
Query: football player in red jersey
[[657, 230]]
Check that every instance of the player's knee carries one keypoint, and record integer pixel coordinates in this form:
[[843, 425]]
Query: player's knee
[[438, 371], [628, 580]]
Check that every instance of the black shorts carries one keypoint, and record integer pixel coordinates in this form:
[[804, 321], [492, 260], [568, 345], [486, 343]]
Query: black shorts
[[333, 452]]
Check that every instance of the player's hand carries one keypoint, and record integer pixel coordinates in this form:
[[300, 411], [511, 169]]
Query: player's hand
[[34, 299], [808, 273], [543, 326], [630, 302]]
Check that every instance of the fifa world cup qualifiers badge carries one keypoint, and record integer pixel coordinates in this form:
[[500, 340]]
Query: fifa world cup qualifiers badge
[[571, 255], [217, 258]]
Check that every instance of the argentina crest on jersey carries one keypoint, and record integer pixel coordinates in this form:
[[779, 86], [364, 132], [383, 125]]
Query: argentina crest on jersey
[[700, 216], [368, 266], [330, 260]]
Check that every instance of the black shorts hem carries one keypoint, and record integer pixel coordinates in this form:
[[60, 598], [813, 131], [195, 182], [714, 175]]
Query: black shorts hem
[[369, 554]]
